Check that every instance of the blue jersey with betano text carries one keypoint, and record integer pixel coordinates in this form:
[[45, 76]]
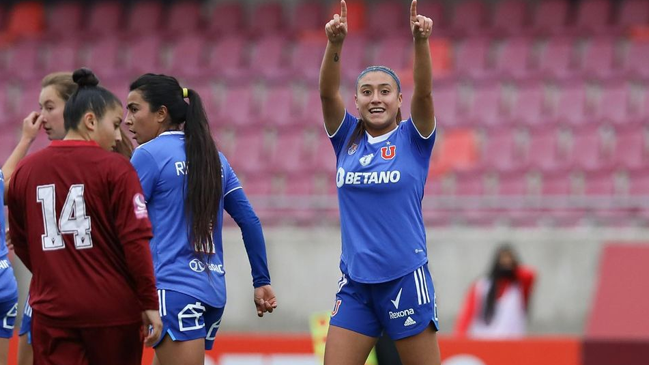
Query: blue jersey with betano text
[[160, 164], [380, 188]]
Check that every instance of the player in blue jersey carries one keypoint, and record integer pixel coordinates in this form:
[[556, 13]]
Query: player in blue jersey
[[187, 184], [382, 165]]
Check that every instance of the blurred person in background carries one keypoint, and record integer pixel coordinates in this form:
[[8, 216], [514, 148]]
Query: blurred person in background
[[497, 305], [99, 304], [56, 89], [187, 186], [382, 166]]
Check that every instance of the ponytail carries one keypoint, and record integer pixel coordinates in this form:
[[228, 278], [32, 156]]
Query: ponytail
[[203, 191]]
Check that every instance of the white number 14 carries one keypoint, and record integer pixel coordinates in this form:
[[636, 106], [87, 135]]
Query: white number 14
[[73, 218]]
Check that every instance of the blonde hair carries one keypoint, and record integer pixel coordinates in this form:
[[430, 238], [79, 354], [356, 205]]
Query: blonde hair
[[62, 82]]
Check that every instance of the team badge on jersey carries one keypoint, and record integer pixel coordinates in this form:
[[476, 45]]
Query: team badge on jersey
[[365, 160], [388, 152], [352, 149], [139, 206]]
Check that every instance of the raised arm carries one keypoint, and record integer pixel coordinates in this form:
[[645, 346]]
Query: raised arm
[[421, 106], [31, 125], [333, 106]]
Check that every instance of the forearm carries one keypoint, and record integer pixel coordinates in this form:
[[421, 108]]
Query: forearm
[[422, 69], [140, 266], [330, 71], [16, 155]]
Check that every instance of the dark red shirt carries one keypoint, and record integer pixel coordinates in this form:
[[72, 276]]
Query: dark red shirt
[[78, 221]]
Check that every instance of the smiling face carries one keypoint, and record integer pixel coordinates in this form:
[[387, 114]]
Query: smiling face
[[378, 100], [52, 106]]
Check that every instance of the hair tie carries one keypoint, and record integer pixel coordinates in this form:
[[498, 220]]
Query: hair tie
[[185, 93]]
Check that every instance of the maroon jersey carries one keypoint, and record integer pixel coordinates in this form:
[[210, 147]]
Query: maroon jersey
[[79, 222]]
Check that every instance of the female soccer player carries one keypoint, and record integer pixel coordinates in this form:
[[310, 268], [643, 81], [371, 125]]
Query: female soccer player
[[187, 184], [56, 89], [382, 165], [92, 294]]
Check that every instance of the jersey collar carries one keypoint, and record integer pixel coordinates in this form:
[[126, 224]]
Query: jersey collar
[[381, 138], [74, 143]]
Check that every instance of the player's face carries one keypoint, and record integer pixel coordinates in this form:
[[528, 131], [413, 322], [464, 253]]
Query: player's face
[[140, 120], [107, 130], [52, 106], [378, 99]]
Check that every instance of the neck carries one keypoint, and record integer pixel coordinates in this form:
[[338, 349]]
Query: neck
[[74, 135], [377, 132]]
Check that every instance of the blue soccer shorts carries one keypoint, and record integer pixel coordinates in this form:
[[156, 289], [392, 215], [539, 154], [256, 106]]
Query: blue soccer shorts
[[185, 318], [402, 307], [26, 323], [8, 313]]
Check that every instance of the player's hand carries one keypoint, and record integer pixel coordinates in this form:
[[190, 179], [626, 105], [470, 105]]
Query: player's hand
[[265, 300], [420, 25], [336, 28], [31, 125], [10, 245], [151, 327]]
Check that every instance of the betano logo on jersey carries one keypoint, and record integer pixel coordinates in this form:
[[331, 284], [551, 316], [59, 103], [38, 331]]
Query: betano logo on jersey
[[366, 178]]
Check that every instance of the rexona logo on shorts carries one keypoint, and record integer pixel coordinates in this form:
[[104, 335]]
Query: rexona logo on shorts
[[401, 314], [366, 178]]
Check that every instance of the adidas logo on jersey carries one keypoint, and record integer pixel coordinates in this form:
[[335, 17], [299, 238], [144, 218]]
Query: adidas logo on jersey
[[409, 322]]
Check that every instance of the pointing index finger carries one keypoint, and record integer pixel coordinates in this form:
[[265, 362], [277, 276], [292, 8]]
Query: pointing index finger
[[343, 10], [413, 11]]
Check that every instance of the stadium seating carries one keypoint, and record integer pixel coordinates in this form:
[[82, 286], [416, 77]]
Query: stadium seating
[[538, 99]]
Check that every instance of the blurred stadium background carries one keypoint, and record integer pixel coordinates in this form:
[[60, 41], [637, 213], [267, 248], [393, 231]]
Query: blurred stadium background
[[543, 140]]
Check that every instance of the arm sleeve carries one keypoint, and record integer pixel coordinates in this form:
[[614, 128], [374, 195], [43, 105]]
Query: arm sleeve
[[134, 231], [526, 276], [16, 217], [466, 313], [340, 137], [424, 143], [147, 170], [237, 205]]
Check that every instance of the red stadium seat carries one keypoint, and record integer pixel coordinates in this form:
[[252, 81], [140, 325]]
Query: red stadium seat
[[105, 19], [62, 56], [64, 19], [249, 157], [631, 149], [239, 108], [557, 58], [393, 52], [25, 20], [599, 58], [550, 17], [386, 18], [227, 57], [572, 105], [513, 184], [145, 17], [634, 63], [268, 19], [144, 55], [354, 58], [184, 18], [269, 58], [513, 60], [434, 10], [613, 105], [556, 183], [23, 61], [445, 102], [103, 56], [471, 56], [639, 182], [469, 183], [586, 152], [324, 159], [289, 154], [529, 105], [486, 106], [500, 151], [187, 56], [593, 16], [308, 17], [278, 108], [543, 151], [469, 17], [306, 59], [226, 19], [510, 17], [633, 13]]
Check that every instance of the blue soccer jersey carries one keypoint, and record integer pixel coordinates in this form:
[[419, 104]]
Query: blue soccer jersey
[[161, 166], [380, 188], [8, 286]]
